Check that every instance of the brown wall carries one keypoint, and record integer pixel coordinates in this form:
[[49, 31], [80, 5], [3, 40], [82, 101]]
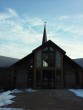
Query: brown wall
[[71, 75], [21, 80], [5, 79]]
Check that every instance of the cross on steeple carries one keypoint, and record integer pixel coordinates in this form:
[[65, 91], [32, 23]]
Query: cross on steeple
[[44, 34]]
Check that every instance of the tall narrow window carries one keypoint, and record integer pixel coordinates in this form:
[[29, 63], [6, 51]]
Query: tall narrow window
[[58, 59], [45, 59], [48, 57], [45, 49], [38, 78], [58, 78], [51, 49], [31, 63], [51, 59], [38, 59]]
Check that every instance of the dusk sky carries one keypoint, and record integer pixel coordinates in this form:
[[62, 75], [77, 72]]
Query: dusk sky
[[22, 23]]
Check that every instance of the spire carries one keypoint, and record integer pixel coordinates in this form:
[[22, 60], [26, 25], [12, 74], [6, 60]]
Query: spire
[[44, 35]]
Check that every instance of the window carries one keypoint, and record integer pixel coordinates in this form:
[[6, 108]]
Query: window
[[31, 63], [58, 59], [45, 59], [51, 49], [38, 59], [58, 75], [48, 57], [51, 59], [45, 49], [38, 78], [58, 78]]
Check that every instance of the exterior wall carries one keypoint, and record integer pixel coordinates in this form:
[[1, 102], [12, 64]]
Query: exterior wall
[[32, 74], [66, 79], [21, 73], [2, 72], [67, 76], [21, 79], [5, 79], [70, 79], [71, 76], [47, 67], [55, 71], [81, 78], [59, 78]]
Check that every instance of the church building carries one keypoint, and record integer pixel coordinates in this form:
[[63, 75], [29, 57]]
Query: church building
[[47, 67]]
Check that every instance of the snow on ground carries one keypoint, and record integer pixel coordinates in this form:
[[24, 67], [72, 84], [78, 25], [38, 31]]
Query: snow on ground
[[78, 92], [16, 91], [25, 90], [30, 90], [6, 98]]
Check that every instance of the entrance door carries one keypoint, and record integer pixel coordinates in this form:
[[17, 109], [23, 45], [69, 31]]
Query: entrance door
[[48, 79]]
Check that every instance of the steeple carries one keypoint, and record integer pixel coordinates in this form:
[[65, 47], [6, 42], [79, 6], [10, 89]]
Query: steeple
[[44, 35]]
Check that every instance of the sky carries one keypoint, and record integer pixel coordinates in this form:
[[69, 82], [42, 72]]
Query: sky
[[22, 24]]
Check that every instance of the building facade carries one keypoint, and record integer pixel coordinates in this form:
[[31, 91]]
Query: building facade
[[47, 67]]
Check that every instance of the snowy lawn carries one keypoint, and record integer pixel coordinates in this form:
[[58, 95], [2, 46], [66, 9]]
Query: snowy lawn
[[78, 92]]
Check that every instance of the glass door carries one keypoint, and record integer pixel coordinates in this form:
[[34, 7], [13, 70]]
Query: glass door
[[48, 79]]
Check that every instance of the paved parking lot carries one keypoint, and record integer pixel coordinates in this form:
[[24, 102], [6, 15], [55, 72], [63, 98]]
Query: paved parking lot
[[47, 100]]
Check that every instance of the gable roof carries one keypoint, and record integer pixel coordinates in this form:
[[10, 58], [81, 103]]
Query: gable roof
[[32, 54], [51, 43], [72, 62], [79, 61], [23, 59], [7, 61]]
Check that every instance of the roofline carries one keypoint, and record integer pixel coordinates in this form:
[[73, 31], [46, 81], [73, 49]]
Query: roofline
[[74, 62], [46, 44], [21, 59]]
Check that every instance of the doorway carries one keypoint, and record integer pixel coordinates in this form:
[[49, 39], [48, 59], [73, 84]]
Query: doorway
[[48, 79]]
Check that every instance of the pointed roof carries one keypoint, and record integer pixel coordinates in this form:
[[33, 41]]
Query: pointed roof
[[44, 35], [31, 55], [49, 42]]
